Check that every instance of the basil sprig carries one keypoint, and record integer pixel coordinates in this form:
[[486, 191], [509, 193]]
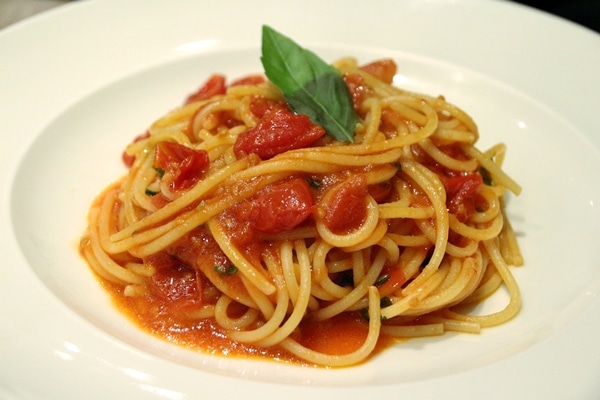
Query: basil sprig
[[309, 85]]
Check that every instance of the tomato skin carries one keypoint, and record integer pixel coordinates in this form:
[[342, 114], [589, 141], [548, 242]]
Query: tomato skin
[[278, 131], [279, 207], [344, 207], [215, 85], [249, 80], [460, 194], [183, 166], [383, 69], [128, 159], [260, 105]]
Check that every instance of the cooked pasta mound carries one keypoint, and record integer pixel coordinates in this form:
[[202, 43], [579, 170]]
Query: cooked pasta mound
[[241, 219]]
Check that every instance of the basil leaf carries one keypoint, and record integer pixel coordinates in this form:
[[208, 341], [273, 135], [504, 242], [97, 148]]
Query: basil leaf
[[309, 85]]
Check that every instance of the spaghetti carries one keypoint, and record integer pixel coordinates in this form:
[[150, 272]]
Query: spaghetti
[[263, 237]]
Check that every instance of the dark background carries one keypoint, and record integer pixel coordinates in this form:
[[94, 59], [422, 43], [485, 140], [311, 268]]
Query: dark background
[[583, 12]]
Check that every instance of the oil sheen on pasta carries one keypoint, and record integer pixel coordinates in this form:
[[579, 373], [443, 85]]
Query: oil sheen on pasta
[[242, 228]]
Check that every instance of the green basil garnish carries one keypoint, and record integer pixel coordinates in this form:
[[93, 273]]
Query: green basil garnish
[[309, 85]]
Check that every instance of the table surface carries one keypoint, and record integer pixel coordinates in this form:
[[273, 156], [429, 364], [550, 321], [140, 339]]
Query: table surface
[[12, 11], [583, 12]]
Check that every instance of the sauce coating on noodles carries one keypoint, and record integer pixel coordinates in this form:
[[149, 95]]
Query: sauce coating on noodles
[[242, 228], [164, 312]]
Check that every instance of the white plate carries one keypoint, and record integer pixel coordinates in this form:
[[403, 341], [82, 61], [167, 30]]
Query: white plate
[[78, 83]]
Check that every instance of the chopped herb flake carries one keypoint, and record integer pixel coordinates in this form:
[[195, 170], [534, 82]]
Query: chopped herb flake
[[160, 172], [382, 279], [225, 269], [487, 177], [314, 183]]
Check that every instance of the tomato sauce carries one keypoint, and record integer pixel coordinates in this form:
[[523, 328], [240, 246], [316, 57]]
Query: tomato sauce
[[187, 276], [341, 334], [157, 317], [194, 271]]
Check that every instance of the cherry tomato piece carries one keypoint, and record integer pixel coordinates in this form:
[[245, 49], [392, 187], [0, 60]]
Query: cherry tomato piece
[[344, 207], [183, 166], [279, 207], [460, 194], [213, 86], [383, 70], [278, 131]]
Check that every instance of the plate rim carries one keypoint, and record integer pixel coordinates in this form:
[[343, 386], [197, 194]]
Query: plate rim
[[42, 294]]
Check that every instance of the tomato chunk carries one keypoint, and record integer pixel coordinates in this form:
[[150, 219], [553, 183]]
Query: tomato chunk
[[249, 80], [183, 166], [260, 105], [344, 207], [384, 69], [217, 84], [279, 207], [278, 131], [357, 89], [213, 86], [173, 281], [460, 194]]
